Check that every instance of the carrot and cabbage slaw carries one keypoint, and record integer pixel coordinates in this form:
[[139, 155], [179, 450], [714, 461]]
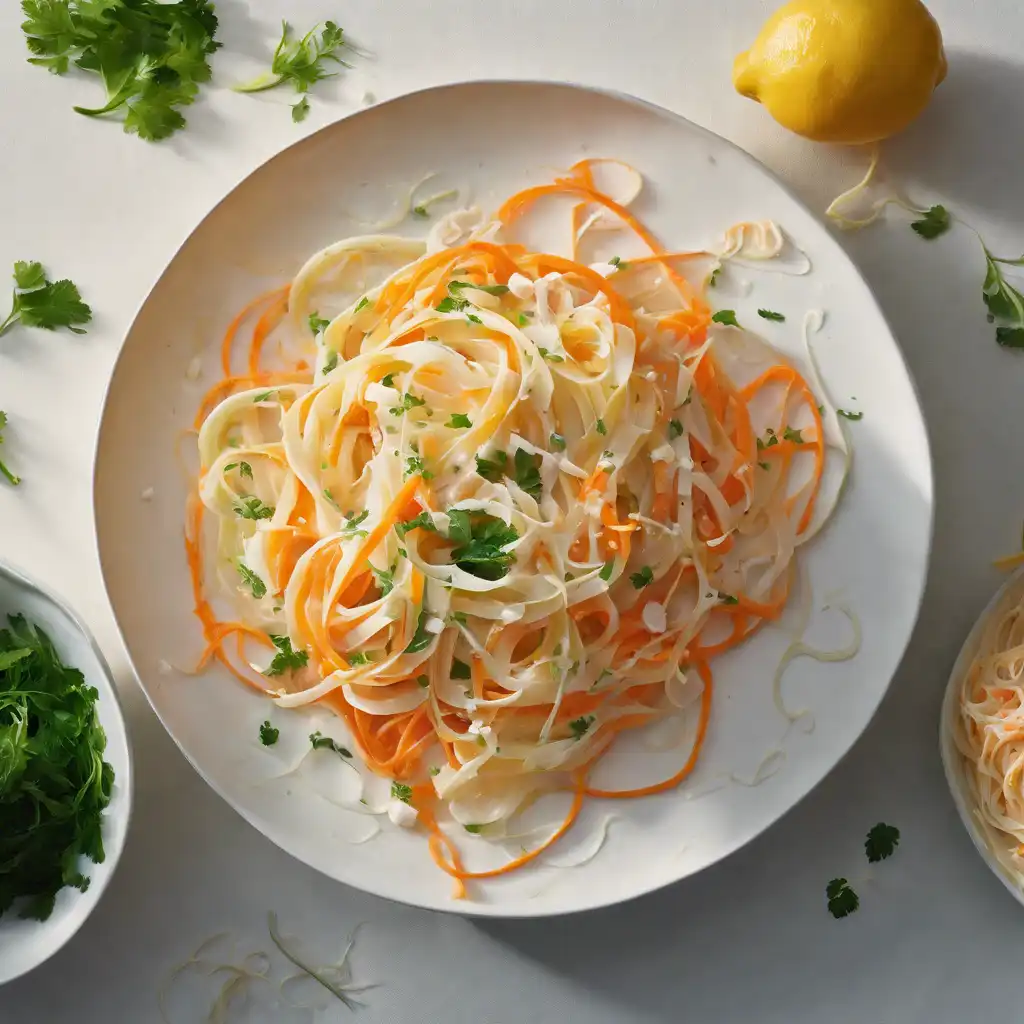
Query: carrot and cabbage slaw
[[509, 505]]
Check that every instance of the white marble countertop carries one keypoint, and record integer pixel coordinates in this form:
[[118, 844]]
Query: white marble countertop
[[937, 939]]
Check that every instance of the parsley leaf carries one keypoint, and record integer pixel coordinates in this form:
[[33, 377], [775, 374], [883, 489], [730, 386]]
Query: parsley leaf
[[842, 900], [551, 357], [767, 314], [557, 442], [789, 434], [317, 323], [422, 638], [474, 829], [361, 305], [54, 783], [268, 734], [258, 587], [881, 842], [388, 380], [473, 318], [301, 63], [619, 263], [357, 658], [1010, 337], [330, 363], [483, 554], [414, 464], [424, 520], [318, 741], [491, 289], [607, 569], [1005, 303], [250, 507], [459, 420], [675, 429], [385, 579], [601, 428], [849, 415], [727, 317], [934, 222], [527, 472], [38, 302], [452, 305], [400, 791], [352, 521], [460, 670], [713, 277], [579, 726], [9, 476], [643, 578], [286, 660], [492, 470], [409, 401]]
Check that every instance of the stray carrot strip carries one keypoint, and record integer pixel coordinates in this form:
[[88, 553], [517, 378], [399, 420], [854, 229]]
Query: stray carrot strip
[[232, 330], [264, 326]]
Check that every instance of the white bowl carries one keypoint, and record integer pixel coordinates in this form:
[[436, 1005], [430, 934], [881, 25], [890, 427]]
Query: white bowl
[[26, 944], [952, 761]]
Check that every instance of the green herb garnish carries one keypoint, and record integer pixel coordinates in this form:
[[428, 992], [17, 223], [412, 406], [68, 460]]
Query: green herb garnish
[[318, 741], [643, 578], [473, 318], [767, 314], [934, 222], [8, 475], [480, 542], [601, 428], [842, 900], [151, 56], [460, 670], [491, 289], [607, 569], [331, 362], [459, 421], [385, 579], [579, 726], [789, 434], [317, 323], [474, 829], [258, 587], [424, 520], [526, 469], [492, 469], [675, 429], [847, 415], [301, 62], [881, 842], [449, 304], [250, 507], [268, 734], [727, 317], [409, 401], [285, 660], [54, 783], [422, 638], [300, 110], [400, 791], [557, 442], [355, 658], [39, 302], [361, 305]]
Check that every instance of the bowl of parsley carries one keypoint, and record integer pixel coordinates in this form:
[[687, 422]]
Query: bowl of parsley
[[65, 774]]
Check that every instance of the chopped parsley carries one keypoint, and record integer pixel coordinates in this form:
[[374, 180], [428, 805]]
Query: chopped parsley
[[881, 842], [301, 62], [409, 401], [388, 380], [460, 670], [526, 469], [491, 289], [473, 318], [847, 415], [767, 314], [551, 357], [474, 829], [713, 277], [523, 319], [331, 362], [400, 791], [385, 579], [355, 658], [263, 396], [244, 469], [424, 520], [480, 541], [422, 638], [934, 221], [643, 578], [450, 304], [352, 521], [728, 599], [39, 302], [361, 305], [579, 726], [268, 734], [318, 741], [789, 434], [11, 478], [675, 429], [286, 660], [557, 442], [607, 569], [492, 469], [258, 587], [842, 900], [423, 681], [619, 263], [250, 507], [727, 317], [300, 110], [414, 464], [601, 428], [1004, 302], [459, 421], [317, 323]]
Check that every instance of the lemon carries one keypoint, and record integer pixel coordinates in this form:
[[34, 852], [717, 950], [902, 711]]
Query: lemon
[[851, 71]]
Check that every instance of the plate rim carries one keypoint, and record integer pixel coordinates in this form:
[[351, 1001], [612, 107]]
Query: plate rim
[[523, 910]]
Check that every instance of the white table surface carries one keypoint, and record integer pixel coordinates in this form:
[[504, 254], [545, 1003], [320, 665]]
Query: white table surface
[[937, 938]]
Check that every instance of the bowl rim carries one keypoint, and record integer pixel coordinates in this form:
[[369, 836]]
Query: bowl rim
[[952, 761], [113, 717], [523, 912]]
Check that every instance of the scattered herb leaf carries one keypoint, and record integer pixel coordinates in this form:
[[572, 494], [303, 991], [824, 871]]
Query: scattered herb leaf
[[935, 221], [39, 302], [767, 314], [285, 660], [727, 317], [881, 842], [258, 587], [318, 741], [268, 734], [643, 578], [842, 900]]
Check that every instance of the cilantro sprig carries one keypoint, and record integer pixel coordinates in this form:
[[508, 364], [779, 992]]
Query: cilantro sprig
[[881, 842], [1005, 303], [842, 900], [39, 302], [151, 56], [54, 783], [286, 659], [301, 63], [480, 541], [934, 221]]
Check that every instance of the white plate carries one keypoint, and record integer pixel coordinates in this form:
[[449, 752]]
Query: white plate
[[353, 173], [952, 761], [26, 944]]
